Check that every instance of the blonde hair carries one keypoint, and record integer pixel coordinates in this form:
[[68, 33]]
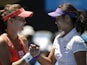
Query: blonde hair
[[9, 8]]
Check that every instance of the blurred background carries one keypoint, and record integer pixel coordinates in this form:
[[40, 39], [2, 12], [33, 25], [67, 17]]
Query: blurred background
[[40, 20], [41, 25]]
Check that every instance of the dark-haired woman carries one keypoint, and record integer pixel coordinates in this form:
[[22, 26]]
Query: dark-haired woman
[[68, 46]]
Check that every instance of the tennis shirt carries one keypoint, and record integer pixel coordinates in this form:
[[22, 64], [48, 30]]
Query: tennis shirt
[[66, 47]]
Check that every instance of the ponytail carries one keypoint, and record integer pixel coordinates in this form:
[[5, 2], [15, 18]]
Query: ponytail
[[81, 22]]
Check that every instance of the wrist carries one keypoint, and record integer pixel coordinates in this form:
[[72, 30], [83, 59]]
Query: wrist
[[34, 59], [27, 57]]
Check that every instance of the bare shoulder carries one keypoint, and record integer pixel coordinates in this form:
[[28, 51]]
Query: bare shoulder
[[2, 40], [3, 43], [4, 51]]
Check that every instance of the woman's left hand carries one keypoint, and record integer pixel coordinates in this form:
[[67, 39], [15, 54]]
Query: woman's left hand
[[34, 50]]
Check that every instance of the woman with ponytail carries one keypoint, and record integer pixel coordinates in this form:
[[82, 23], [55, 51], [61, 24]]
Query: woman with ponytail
[[68, 47]]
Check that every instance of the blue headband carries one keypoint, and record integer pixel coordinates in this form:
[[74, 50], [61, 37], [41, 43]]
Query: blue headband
[[71, 14]]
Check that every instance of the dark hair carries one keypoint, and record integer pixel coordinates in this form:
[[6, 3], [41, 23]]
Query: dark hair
[[79, 21]]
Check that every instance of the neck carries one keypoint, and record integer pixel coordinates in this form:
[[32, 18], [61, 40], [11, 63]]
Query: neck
[[66, 32], [12, 35]]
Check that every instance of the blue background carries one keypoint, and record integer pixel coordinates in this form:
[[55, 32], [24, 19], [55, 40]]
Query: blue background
[[51, 5]]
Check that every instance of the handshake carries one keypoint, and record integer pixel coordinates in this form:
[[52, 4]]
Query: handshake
[[33, 53], [34, 50]]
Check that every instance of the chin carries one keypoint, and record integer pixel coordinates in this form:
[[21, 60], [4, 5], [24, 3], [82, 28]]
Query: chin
[[60, 30]]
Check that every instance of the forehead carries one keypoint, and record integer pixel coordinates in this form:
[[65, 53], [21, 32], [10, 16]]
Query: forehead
[[63, 17], [59, 17]]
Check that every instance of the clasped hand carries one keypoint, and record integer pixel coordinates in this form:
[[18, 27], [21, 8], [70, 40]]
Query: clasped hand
[[34, 50]]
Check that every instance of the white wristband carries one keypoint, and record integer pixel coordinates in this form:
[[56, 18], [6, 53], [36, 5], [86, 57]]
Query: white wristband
[[27, 57]]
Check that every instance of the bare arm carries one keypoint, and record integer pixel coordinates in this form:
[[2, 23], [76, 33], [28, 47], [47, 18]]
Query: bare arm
[[80, 58], [5, 54], [50, 60]]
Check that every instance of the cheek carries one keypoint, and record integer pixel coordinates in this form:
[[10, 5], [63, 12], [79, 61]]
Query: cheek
[[58, 22], [67, 26], [20, 23]]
